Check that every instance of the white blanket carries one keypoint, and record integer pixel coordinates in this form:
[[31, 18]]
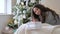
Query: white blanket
[[32, 28]]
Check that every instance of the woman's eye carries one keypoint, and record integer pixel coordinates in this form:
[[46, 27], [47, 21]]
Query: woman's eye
[[37, 9]]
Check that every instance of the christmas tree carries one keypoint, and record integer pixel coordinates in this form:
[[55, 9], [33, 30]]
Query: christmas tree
[[22, 13]]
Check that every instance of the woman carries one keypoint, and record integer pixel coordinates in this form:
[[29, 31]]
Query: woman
[[45, 15], [40, 14]]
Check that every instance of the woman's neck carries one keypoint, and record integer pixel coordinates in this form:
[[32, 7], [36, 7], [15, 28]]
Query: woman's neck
[[34, 20]]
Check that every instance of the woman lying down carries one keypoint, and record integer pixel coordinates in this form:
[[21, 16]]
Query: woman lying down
[[41, 18]]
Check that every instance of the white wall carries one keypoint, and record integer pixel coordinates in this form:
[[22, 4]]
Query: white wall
[[10, 4], [4, 20], [53, 4]]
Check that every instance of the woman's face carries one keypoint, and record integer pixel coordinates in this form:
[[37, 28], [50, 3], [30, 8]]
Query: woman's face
[[37, 11]]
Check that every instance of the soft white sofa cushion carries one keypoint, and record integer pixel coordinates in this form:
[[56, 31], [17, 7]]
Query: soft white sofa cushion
[[56, 30], [45, 29]]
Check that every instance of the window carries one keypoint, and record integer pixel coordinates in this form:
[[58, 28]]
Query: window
[[9, 6], [2, 6], [5, 7]]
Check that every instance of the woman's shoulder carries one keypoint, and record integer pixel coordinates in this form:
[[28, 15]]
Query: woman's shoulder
[[51, 19], [48, 12]]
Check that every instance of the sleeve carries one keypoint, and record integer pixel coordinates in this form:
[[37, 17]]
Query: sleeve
[[20, 30], [50, 19]]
